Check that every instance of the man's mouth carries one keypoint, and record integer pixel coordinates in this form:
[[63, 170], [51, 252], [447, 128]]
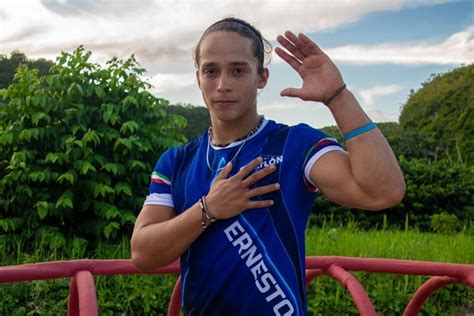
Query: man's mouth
[[224, 102]]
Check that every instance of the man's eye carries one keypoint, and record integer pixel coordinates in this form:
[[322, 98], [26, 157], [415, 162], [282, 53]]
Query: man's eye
[[238, 71], [209, 71]]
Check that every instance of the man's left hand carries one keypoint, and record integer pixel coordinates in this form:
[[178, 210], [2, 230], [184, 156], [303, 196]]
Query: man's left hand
[[321, 78]]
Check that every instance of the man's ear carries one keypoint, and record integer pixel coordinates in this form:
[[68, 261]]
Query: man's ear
[[263, 78], [197, 79]]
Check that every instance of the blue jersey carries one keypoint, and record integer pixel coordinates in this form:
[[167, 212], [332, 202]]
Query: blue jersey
[[253, 263]]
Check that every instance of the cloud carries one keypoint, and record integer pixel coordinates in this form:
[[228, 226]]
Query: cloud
[[171, 82], [370, 95], [162, 33], [382, 116], [457, 49], [281, 106]]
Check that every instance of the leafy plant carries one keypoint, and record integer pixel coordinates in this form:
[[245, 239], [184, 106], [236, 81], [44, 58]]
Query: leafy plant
[[445, 223], [78, 145]]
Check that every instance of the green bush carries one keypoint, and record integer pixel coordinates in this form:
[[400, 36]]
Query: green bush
[[445, 223], [77, 147], [442, 186]]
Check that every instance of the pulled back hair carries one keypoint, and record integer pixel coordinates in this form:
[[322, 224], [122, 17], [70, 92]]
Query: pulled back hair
[[261, 48]]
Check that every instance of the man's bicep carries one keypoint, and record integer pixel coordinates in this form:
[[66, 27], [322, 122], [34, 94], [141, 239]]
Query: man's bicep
[[154, 214], [332, 175]]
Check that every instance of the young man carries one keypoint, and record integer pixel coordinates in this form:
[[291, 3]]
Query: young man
[[234, 204]]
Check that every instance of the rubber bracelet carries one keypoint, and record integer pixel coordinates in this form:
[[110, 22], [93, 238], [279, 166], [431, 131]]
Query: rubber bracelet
[[359, 131]]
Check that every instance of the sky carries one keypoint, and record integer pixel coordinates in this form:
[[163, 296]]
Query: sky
[[383, 48]]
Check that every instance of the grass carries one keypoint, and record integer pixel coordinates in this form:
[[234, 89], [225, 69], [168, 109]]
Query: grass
[[395, 244], [389, 293], [143, 295]]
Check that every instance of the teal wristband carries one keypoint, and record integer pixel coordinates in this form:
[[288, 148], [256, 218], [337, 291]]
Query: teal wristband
[[358, 131]]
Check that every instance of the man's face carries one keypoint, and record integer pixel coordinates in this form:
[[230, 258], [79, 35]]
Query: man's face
[[228, 76]]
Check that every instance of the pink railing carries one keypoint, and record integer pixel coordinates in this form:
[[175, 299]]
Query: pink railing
[[83, 300]]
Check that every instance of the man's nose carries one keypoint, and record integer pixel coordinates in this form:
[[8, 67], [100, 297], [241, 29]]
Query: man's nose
[[223, 84]]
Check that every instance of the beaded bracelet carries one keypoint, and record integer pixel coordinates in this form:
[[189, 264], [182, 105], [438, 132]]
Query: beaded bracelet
[[359, 131]]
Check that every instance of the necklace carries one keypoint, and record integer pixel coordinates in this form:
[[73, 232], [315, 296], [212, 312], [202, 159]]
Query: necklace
[[232, 160], [209, 133], [245, 138]]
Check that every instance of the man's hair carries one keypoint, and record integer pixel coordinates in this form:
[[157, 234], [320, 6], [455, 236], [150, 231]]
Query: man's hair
[[261, 48]]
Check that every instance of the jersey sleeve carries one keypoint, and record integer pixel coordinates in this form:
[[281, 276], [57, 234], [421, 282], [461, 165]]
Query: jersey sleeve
[[317, 144], [160, 181]]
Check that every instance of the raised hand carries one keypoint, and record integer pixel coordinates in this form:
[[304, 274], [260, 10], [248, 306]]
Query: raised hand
[[321, 78], [231, 196]]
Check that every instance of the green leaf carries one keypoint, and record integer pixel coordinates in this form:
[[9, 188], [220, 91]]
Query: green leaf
[[136, 165], [112, 167], [128, 217], [4, 225], [42, 209], [79, 89], [6, 138], [49, 80], [51, 157], [112, 212], [86, 167], [130, 126], [125, 142], [65, 200], [99, 91], [129, 100], [25, 135], [111, 227], [91, 135], [68, 176], [123, 187], [38, 116]]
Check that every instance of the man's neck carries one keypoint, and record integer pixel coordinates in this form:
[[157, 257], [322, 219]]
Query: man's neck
[[226, 132]]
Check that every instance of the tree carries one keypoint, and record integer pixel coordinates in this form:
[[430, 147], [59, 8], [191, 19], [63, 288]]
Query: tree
[[78, 146], [443, 111], [9, 65], [197, 117]]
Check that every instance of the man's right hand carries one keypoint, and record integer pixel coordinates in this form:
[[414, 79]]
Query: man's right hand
[[229, 196]]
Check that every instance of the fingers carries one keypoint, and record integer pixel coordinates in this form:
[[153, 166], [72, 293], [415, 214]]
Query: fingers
[[292, 61], [309, 43], [254, 178], [224, 173], [300, 46], [291, 92], [290, 47], [263, 190], [260, 204], [247, 169]]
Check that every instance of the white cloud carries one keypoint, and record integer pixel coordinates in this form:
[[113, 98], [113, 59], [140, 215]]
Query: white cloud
[[171, 82], [370, 95], [457, 49], [162, 33], [382, 116], [295, 104]]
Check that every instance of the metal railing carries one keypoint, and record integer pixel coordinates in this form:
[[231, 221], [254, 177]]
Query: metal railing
[[83, 300]]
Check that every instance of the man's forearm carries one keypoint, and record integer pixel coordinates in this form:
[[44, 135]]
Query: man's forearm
[[373, 164], [160, 244]]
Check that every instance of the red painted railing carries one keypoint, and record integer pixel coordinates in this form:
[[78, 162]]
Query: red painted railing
[[83, 300]]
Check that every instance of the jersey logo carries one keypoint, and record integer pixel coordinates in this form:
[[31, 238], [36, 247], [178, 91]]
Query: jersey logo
[[269, 161]]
